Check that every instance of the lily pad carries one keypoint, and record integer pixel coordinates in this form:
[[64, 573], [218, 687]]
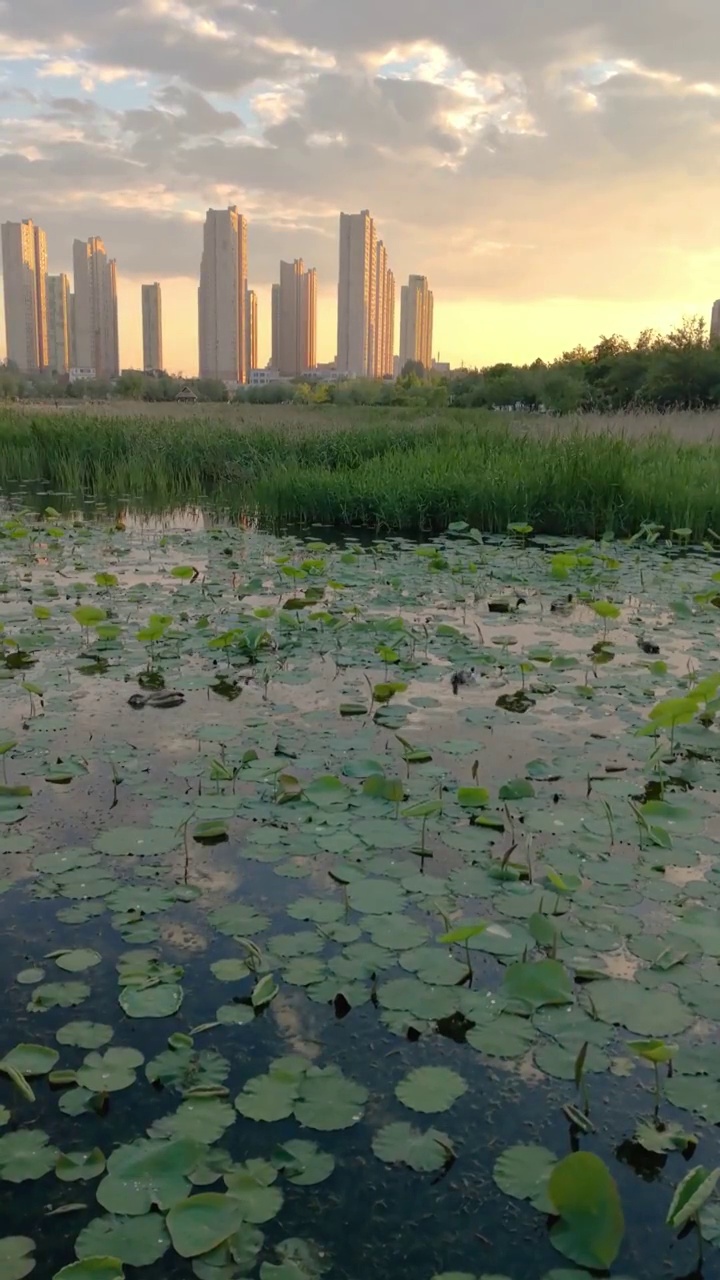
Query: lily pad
[[138, 1242], [400, 1143], [16, 1259], [161, 1001], [202, 1222], [431, 1089], [524, 1172]]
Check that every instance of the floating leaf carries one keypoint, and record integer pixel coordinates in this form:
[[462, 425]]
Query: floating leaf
[[584, 1194], [85, 1035], [328, 1100], [15, 1257], [31, 1059], [151, 1002], [524, 1172], [431, 1089], [80, 1166], [402, 1144], [303, 1163], [92, 1269], [690, 1195], [25, 1155], [202, 1222], [138, 1242]]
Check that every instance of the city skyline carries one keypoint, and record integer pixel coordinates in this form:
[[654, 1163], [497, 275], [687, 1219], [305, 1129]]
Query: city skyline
[[539, 172], [45, 327]]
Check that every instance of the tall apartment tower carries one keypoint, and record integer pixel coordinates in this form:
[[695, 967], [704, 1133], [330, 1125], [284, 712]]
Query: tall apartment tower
[[389, 351], [24, 255], [95, 310], [152, 327], [251, 329], [357, 295], [366, 300], [715, 322], [221, 296], [297, 319], [416, 322], [58, 323], [275, 349]]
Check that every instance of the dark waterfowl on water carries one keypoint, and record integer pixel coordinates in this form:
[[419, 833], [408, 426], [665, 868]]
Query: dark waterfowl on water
[[465, 676], [162, 698], [565, 605]]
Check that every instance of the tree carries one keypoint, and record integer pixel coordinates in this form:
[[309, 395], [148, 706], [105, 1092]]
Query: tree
[[413, 366]]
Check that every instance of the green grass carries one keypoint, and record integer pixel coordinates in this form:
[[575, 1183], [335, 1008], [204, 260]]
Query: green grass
[[383, 469]]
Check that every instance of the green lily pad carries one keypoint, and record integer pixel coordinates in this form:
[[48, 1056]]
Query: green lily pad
[[138, 1242], [151, 1002], [431, 1089], [15, 1257], [647, 1013], [85, 1035], [92, 1269], [531, 986], [57, 995], [80, 1166], [78, 961], [591, 1227], [400, 1143], [31, 1059], [25, 1155], [144, 1174], [109, 1072], [328, 1100], [505, 1037], [303, 1163], [524, 1172], [202, 1222]]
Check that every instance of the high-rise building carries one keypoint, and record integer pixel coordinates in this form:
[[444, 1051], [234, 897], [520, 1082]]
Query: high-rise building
[[152, 327], [715, 322], [297, 319], [251, 329], [221, 296], [389, 353], [72, 346], [416, 322], [95, 309], [58, 323], [24, 255], [366, 300], [275, 349]]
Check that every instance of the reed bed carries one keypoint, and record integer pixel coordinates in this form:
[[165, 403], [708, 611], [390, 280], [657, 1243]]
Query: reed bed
[[383, 469]]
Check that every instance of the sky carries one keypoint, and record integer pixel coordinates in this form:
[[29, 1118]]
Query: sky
[[551, 167]]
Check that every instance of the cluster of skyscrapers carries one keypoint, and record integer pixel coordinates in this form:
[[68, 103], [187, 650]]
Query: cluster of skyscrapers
[[49, 327], [55, 328]]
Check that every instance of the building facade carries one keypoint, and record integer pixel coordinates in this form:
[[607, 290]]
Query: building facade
[[366, 300], [221, 297], [297, 319], [95, 309], [715, 322], [24, 256], [416, 323], [58, 323], [251, 329], [152, 327], [275, 336]]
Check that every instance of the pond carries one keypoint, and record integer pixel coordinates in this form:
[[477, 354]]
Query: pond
[[318, 963]]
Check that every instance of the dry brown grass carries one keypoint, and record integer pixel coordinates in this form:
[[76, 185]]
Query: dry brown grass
[[684, 425]]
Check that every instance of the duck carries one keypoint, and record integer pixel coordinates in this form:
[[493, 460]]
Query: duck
[[565, 605], [164, 699], [466, 675]]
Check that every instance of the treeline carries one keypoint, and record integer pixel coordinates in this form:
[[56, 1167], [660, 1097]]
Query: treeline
[[680, 370]]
